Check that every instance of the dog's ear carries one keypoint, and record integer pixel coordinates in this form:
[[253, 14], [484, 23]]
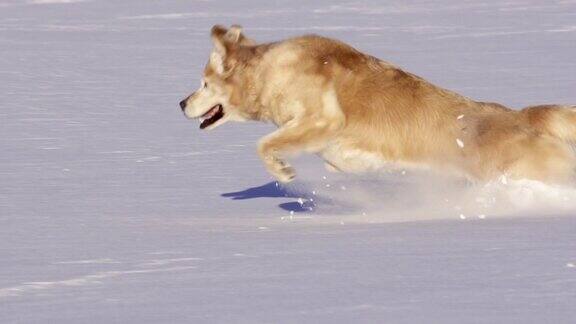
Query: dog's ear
[[225, 41], [218, 35], [236, 36], [219, 53]]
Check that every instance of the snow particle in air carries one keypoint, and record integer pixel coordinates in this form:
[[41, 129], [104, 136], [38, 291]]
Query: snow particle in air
[[460, 143], [570, 265]]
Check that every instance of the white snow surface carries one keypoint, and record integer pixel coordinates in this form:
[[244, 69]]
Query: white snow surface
[[116, 209]]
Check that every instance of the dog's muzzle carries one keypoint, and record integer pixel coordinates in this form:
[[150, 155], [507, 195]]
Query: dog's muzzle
[[183, 104]]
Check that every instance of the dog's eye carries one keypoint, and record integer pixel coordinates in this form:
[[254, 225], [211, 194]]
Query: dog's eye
[[205, 85]]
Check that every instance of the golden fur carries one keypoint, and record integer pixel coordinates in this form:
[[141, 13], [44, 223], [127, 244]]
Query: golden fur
[[360, 113]]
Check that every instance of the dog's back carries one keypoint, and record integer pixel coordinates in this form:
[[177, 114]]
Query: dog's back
[[404, 118]]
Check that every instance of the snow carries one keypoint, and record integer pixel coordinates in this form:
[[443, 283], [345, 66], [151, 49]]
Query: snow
[[460, 143], [115, 208]]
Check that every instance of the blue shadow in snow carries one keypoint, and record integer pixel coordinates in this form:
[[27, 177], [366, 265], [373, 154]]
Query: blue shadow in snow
[[274, 190], [269, 190]]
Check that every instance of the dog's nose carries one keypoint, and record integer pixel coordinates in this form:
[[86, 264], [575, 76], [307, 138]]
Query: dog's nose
[[183, 104]]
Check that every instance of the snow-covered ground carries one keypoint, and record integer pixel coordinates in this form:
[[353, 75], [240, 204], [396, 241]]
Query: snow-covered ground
[[116, 209]]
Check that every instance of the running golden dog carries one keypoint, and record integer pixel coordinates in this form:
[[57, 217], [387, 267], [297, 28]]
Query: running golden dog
[[359, 113]]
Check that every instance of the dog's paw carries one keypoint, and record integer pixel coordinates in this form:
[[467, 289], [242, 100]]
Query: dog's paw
[[281, 171], [285, 174], [277, 167]]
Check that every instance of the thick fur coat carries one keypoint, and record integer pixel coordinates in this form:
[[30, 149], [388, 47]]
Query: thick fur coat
[[359, 113]]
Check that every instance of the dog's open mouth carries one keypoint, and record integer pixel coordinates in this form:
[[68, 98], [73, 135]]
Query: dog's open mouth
[[211, 116]]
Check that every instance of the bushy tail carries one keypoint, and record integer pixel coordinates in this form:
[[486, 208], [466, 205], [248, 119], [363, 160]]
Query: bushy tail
[[555, 120]]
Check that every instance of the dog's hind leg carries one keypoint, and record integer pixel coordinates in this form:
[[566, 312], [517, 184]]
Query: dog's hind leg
[[555, 120], [544, 159]]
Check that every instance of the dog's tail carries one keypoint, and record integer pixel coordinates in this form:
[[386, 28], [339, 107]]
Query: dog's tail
[[555, 120]]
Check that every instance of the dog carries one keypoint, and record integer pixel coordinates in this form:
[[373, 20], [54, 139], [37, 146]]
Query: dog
[[359, 113]]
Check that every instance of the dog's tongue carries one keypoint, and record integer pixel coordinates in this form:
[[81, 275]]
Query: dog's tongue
[[210, 113]]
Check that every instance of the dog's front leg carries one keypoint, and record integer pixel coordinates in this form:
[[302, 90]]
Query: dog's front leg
[[293, 138]]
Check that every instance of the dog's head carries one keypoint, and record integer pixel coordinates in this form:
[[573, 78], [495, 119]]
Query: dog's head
[[219, 98]]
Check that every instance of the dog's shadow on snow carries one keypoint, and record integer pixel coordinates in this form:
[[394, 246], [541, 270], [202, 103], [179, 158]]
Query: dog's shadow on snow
[[275, 190]]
